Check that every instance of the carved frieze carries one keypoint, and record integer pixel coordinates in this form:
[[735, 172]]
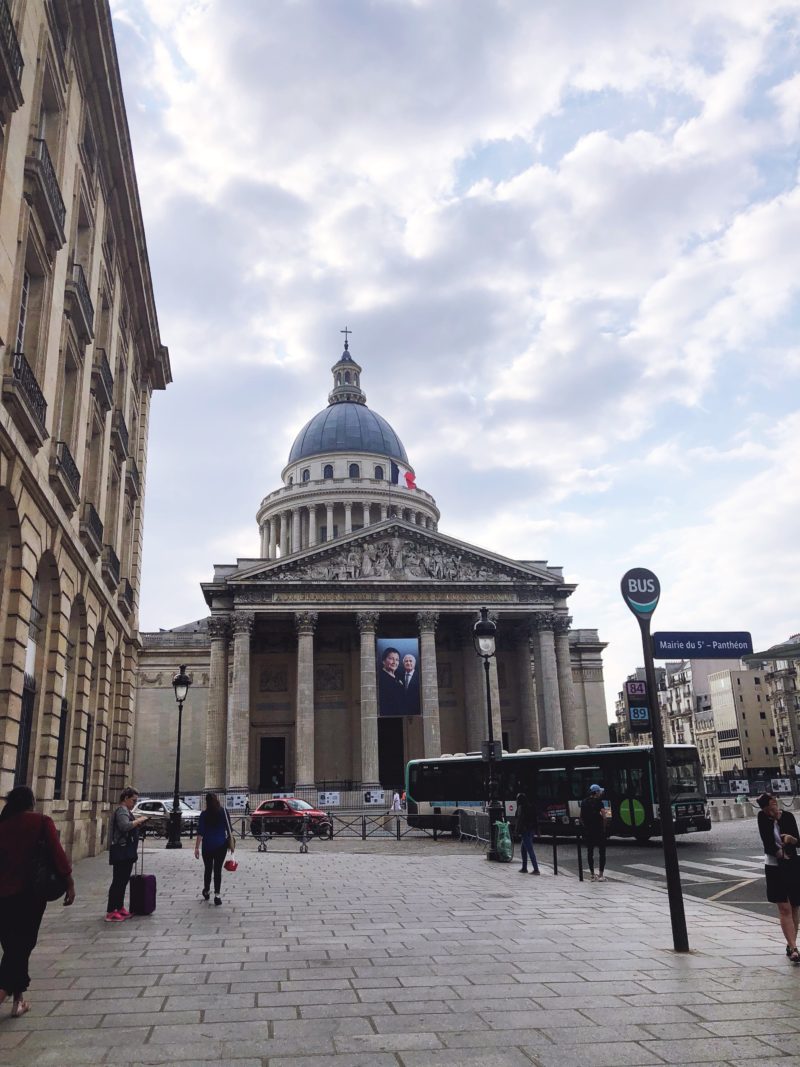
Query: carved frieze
[[273, 680], [329, 678]]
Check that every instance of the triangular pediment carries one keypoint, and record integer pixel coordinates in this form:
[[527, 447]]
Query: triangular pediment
[[395, 551]]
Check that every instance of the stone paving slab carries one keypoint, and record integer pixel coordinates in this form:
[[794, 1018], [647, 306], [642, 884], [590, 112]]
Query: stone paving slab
[[411, 954]]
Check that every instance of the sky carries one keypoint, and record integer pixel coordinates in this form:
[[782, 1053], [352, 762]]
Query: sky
[[566, 237]]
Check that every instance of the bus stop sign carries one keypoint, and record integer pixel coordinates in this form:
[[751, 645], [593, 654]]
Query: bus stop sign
[[640, 591]]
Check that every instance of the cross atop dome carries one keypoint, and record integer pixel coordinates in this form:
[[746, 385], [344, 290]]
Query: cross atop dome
[[346, 377]]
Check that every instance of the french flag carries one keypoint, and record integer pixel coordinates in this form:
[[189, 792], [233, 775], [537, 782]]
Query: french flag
[[408, 476]]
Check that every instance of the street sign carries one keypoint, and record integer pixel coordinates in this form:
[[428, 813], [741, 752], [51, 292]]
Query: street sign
[[636, 689], [639, 718], [640, 591], [722, 645]]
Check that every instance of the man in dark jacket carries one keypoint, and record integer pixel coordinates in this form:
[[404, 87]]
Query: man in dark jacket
[[594, 830]]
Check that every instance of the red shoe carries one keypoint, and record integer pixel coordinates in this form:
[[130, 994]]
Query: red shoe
[[124, 913], [114, 917]]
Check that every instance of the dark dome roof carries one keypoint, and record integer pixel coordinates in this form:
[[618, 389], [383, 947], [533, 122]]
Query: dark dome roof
[[347, 427]]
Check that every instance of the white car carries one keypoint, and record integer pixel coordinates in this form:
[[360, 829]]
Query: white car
[[158, 814]]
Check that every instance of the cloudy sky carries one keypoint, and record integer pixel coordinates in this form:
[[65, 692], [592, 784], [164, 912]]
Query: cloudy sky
[[565, 236]]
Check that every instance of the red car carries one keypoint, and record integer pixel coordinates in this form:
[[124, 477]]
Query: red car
[[287, 816]]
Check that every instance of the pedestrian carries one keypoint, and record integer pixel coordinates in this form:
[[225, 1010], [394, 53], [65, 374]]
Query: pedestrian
[[215, 839], [526, 826], [123, 844], [21, 912], [780, 836], [397, 804], [594, 830]]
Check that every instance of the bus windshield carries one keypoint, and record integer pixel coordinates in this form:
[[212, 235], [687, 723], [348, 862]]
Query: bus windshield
[[684, 774]]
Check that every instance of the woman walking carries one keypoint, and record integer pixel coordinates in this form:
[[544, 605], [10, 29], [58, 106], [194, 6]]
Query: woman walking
[[780, 837], [123, 843], [527, 824], [215, 839], [21, 911]]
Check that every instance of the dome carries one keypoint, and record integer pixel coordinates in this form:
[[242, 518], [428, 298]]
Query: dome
[[347, 427]]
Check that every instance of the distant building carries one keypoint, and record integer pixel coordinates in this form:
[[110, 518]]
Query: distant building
[[745, 732], [622, 710], [81, 355], [780, 665], [293, 691]]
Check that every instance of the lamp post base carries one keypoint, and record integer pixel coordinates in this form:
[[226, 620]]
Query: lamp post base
[[174, 832]]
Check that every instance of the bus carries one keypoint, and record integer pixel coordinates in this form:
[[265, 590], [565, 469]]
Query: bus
[[437, 789]]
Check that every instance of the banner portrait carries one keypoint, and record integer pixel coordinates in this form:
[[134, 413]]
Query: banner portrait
[[398, 670]]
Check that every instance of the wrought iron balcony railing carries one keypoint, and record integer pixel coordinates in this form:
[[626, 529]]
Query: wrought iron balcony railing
[[102, 380], [84, 300], [68, 467], [9, 43], [132, 476], [34, 397], [125, 596], [91, 530], [41, 153], [119, 435], [110, 565]]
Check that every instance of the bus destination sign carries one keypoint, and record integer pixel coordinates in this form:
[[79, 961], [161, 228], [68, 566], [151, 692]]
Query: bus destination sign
[[725, 645]]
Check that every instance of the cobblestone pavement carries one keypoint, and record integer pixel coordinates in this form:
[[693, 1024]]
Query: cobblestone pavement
[[410, 954]]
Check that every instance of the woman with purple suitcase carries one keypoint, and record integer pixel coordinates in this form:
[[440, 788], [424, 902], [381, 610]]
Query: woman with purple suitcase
[[123, 841]]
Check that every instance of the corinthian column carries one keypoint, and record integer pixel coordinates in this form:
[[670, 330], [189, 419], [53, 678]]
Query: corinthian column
[[367, 624], [575, 732], [547, 677], [431, 733], [329, 522], [296, 539], [239, 720], [284, 535], [217, 714], [312, 525], [348, 517], [273, 538], [529, 719], [305, 622]]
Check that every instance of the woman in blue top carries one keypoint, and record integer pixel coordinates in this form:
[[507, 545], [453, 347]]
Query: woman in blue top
[[214, 837]]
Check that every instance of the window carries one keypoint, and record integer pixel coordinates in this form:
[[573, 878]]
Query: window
[[379, 473], [347, 377], [757, 680], [291, 479], [328, 471], [306, 475], [355, 471], [762, 714]]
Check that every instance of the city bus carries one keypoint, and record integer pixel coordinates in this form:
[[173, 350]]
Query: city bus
[[436, 789]]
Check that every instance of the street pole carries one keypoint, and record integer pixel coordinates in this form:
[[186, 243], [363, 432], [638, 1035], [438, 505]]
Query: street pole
[[175, 818], [494, 804], [641, 590]]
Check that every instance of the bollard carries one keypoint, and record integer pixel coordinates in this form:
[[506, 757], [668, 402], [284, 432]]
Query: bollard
[[580, 857], [398, 827], [363, 828], [555, 853]]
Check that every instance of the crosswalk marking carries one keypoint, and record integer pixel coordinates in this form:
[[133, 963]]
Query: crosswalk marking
[[715, 869], [756, 864], [649, 868]]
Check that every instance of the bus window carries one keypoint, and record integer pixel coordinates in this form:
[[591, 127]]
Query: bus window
[[684, 775], [630, 781], [582, 778]]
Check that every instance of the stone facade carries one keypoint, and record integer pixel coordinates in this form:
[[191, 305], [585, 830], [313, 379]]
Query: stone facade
[[80, 357], [347, 559]]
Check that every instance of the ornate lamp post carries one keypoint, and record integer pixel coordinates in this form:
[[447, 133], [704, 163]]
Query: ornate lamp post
[[484, 636], [180, 683]]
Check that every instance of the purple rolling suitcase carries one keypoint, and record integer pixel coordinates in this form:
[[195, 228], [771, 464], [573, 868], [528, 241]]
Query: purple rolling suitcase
[[143, 891]]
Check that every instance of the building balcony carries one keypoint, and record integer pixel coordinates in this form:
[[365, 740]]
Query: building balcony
[[11, 65], [132, 481], [26, 402], [119, 436], [125, 598], [78, 304], [91, 530], [65, 477], [109, 567], [42, 190], [102, 381]]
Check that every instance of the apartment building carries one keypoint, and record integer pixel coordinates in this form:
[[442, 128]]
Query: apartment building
[[81, 357], [742, 721]]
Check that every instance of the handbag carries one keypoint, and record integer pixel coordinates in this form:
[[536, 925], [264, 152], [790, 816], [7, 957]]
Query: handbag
[[230, 865], [46, 883]]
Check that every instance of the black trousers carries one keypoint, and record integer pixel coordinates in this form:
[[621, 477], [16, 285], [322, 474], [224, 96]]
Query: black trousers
[[119, 883], [598, 840], [214, 858], [20, 919]]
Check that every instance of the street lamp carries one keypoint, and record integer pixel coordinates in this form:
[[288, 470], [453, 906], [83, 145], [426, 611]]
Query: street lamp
[[484, 636], [180, 683]]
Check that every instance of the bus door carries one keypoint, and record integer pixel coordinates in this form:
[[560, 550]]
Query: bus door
[[634, 801]]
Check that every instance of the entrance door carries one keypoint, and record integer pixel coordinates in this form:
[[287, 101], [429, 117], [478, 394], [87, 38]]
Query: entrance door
[[272, 765], [391, 761]]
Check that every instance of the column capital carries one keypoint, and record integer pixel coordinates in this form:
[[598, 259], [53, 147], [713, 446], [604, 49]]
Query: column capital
[[219, 626], [562, 623], [305, 621], [427, 620], [367, 620], [544, 620], [243, 622]]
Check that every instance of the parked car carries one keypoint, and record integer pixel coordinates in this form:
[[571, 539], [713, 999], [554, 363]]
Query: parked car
[[287, 816], [158, 814]]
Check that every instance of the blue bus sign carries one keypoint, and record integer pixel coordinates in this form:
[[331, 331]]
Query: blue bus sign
[[723, 645], [639, 718], [640, 591]]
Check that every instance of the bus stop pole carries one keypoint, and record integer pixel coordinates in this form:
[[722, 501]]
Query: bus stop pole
[[680, 936]]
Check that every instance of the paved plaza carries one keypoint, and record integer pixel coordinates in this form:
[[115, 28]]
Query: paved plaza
[[400, 954]]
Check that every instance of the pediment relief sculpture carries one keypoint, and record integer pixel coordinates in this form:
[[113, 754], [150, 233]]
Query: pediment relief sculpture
[[397, 559]]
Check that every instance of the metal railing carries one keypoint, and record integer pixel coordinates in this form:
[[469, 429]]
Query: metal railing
[[120, 429], [126, 593], [10, 41], [102, 368], [93, 522], [111, 563], [133, 475], [21, 370], [82, 289], [52, 188], [68, 467]]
